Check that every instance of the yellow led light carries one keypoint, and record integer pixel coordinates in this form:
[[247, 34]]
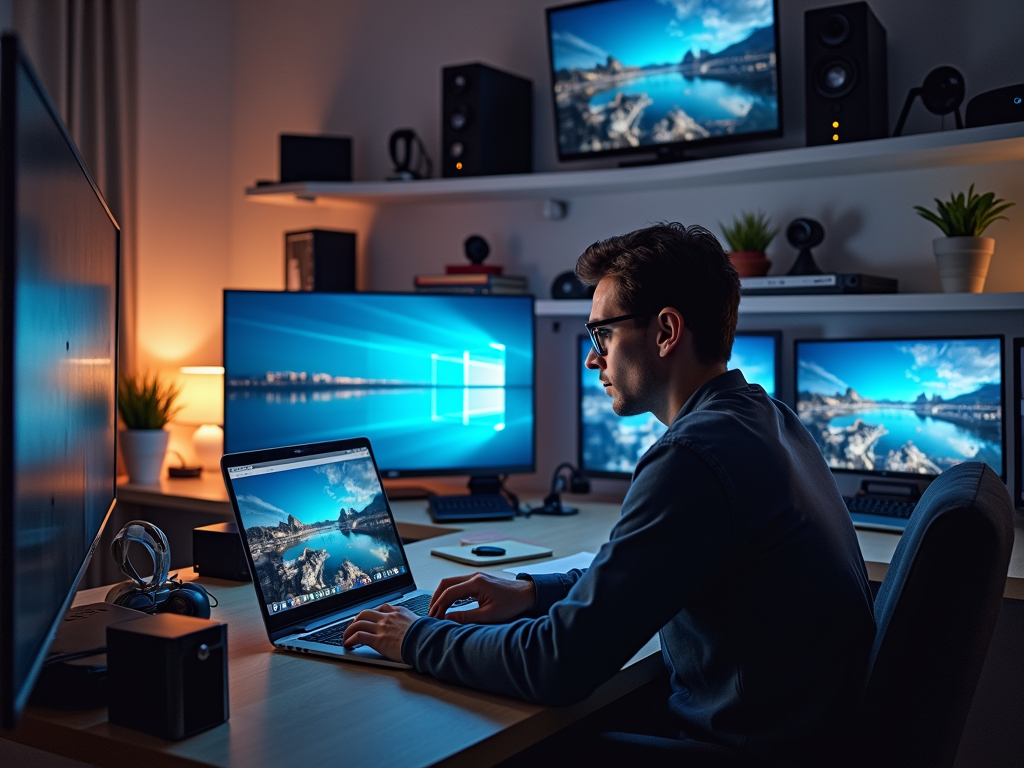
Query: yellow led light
[[835, 137], [835, 124], [458, 166]]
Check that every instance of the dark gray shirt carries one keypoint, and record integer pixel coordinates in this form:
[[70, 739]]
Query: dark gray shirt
[[735, 545]]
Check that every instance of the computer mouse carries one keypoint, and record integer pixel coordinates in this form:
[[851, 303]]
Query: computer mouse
[[487, 551]]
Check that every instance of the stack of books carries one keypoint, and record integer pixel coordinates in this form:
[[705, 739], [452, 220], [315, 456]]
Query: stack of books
[[481, 283]]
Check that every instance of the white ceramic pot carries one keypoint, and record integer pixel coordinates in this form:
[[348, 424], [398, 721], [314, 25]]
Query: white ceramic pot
[[143, 451], [963, 262]]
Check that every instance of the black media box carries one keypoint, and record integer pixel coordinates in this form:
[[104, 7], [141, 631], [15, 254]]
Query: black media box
[[218, 554], [315, 158], [168, 674], [321, 260]]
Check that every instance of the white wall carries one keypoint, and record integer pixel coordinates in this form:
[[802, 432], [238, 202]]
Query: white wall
[[220, 80]]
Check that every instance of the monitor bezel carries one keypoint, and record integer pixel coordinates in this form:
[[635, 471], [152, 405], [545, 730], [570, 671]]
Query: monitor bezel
[[13, 60], [655, 149], [389, 473], [282, 624], [1018, 431], [603, 473], [943, 337]]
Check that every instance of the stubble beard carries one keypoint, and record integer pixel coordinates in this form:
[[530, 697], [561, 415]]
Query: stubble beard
[[634, 392]]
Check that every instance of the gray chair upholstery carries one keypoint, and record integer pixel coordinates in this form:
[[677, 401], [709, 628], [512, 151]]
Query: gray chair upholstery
[[935, 612]]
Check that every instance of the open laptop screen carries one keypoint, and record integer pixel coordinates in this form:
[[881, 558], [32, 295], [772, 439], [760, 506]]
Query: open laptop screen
[[316, 526]]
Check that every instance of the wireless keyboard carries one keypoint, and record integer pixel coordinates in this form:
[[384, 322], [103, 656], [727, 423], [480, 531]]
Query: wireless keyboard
[[869, 505], [474, 506]]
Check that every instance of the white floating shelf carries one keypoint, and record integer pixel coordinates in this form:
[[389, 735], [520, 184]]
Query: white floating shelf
[[832, 303], [971, 146]]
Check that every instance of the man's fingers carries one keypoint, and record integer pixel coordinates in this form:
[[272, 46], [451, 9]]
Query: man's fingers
[[361, 638], [445, 584], [448, 597]]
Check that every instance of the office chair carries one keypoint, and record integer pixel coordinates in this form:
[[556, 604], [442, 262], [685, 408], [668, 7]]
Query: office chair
[[935, 612]]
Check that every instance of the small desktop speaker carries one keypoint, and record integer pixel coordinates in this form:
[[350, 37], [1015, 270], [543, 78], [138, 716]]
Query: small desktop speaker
[[315, 158], [847, 92], [320, 260], [1003, 105], [487, 122], [217, 551], [167, 675]]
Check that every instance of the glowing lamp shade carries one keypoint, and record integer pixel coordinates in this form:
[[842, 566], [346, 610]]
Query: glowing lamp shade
[[202, 399]]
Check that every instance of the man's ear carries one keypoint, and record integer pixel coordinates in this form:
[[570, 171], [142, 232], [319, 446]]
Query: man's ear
[[670, 327]]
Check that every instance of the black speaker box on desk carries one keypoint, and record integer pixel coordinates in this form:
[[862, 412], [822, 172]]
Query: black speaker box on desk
[[168, 674], [487, 119], [847, 90], [321, 260], [1003, 105], [218, 554], [315, 158]]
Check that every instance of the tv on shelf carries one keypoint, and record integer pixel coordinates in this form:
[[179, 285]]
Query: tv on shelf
[[658, 76]]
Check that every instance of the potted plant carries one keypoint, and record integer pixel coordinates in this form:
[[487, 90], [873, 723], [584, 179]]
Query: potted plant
[[146, 403], [748, 237], [963, 255]]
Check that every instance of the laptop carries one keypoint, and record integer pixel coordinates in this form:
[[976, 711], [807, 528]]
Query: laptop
[[321, 543]]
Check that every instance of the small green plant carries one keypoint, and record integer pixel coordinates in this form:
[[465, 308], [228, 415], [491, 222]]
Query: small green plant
[[146, 402], [749, 231], [965, 217]]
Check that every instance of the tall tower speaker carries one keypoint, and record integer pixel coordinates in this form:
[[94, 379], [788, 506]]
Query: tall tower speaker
[[847, 89], [488, 122]]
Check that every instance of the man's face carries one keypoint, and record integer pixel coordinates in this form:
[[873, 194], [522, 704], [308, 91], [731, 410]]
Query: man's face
[[628, 368]]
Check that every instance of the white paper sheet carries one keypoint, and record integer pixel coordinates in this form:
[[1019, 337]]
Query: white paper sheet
[[561, 565]]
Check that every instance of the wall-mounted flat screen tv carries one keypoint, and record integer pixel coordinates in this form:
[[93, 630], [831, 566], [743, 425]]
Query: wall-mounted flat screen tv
[[633, 76]]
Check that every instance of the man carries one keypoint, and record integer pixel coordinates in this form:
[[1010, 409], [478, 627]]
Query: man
[[734, 543]]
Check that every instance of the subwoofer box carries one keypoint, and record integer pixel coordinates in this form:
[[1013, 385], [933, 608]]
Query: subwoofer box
[[487, 119], [847, 90]]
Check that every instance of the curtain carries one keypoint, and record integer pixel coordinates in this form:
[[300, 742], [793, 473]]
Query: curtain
[[85, 52]]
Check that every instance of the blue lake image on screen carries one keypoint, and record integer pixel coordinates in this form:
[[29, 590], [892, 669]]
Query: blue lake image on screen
[[438, 383], [613, 443], [912, 406], [631, 73], [317, 530]]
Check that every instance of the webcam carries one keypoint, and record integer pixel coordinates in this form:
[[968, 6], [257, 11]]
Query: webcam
[[941, 92], [476, 249], [804, 234]]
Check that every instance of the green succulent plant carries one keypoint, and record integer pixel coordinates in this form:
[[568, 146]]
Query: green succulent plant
[[145, 401], [749, 231], [965, 216]]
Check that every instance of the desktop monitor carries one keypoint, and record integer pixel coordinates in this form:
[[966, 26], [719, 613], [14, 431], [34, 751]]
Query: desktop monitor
[[58, 343], [1018, 422], [903, 407], [440, 384], [610, 445], [659, 76]]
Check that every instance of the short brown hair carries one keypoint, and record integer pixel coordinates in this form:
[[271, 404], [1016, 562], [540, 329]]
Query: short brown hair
[[671, 265]]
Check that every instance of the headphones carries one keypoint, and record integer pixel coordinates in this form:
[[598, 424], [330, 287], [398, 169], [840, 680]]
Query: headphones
[[159, 593]]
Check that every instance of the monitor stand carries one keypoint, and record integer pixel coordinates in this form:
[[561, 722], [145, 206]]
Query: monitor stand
[[662, 155]]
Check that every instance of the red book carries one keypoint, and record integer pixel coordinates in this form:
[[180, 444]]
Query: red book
[[473, 269]]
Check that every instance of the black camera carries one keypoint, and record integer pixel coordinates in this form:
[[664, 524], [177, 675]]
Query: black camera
[[804, 234]]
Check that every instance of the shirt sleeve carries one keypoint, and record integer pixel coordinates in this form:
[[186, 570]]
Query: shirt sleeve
[[672, 537]]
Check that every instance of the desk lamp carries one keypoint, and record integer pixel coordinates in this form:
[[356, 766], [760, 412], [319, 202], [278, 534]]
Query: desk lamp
[[203, 398]]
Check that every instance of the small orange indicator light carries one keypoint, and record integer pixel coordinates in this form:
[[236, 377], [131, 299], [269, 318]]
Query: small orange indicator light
[[835, 124], [458, 166], [835, 137]]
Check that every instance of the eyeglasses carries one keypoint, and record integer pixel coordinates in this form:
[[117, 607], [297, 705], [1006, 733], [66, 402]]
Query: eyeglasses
[[597, 338]]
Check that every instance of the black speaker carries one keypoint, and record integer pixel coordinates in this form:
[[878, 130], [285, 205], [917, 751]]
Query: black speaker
[[568, 286], [847, 90], [167, 675], [217, 551], [487, 121], [315, 158], [1003, 105], [320, 260]]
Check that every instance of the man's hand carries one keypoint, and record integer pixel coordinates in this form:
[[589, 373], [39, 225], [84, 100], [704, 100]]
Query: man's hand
[[383, 629], [500, 599]]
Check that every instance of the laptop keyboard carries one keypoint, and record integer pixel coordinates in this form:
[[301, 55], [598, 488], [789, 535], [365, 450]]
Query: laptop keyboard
[[868, 505], [332, 635]]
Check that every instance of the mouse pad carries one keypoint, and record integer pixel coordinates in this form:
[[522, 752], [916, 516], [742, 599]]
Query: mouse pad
[[514, 550]]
